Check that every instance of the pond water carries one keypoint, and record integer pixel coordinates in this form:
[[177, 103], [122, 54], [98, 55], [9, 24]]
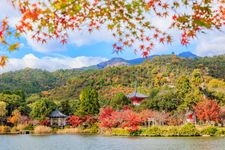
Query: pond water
[[79, 142]]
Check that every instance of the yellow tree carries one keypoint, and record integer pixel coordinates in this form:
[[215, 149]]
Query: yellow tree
[[15, 118], [2, 108]]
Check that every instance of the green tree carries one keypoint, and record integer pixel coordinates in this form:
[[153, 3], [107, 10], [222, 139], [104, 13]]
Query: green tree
[[196, 78], [162, 102], [13, 102], [183, 86], [75, 104], [42, 108], [190, 99], [119, 100], [64, 107], [89, 104], [3, 109]]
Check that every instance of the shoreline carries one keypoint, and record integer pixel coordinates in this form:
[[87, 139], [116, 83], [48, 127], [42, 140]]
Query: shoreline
[[153, 131]]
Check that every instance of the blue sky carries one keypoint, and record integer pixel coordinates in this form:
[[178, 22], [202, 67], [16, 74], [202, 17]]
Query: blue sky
[[100, 49], [84, 49]]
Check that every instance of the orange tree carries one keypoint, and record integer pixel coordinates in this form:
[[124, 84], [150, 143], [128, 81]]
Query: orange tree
[[130, 21], [207, 110]]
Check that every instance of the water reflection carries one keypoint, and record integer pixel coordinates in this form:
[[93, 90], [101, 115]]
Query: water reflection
[[79, 142]]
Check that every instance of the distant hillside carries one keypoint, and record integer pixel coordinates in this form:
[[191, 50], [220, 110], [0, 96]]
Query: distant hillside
[[68, 83], [113, 62], [157, 72], [120, 61], [34, 80], [188, 55]]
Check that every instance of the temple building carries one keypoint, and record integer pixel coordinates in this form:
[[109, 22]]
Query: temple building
[[136, 98], [57, 119]]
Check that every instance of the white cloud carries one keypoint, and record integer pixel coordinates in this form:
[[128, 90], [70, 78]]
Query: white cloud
[[50, 63], [83, 37], [76, 38], [210, 44]]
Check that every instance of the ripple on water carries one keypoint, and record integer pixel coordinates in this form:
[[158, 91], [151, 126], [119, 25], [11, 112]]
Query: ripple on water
[[79, 142]]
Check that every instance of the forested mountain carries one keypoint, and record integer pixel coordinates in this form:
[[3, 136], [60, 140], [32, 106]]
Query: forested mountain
[[34, 80], [159, 71]]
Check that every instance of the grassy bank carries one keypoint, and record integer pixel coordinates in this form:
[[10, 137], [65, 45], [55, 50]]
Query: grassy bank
[[170, 131], [154, 131]]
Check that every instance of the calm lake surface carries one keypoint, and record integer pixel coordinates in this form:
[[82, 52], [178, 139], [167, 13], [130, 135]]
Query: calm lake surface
[[79, 142]]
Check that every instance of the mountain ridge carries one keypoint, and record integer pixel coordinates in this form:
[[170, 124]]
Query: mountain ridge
[[122, 61]]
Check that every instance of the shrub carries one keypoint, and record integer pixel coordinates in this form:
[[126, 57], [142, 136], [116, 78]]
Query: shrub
[[92, 130], [172, 131], [69, 131], [209, 131], [74, 121], [4, 129], [135, 132], [29, 127], [45, 122], [188, 130], [220, 132], [120, 132], [21, 127], [13, 129], [42, 130], [152, 131], [89, 121]]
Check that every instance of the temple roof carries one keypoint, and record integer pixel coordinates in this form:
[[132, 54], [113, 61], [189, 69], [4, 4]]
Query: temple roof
[[136, 94], [57, 114]]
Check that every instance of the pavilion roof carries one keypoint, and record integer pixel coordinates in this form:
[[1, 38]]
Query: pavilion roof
[[136, 94], [57, 114]]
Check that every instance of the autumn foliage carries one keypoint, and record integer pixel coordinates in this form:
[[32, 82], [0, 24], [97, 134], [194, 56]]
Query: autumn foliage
[[128, 118], [86, 121], [15, 118], [74, 121], [45, 122], [131, 22], [207, 111]]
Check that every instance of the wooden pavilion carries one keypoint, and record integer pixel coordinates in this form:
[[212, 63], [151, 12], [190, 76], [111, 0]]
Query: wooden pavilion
[[57, 119]]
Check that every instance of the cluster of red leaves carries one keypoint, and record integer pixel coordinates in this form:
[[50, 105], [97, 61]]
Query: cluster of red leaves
[[89, 120], [128, 119], [207, 110], [126, 19], [105, 116], [204, 15], [45, 122], [3, 27], [76, 121]]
